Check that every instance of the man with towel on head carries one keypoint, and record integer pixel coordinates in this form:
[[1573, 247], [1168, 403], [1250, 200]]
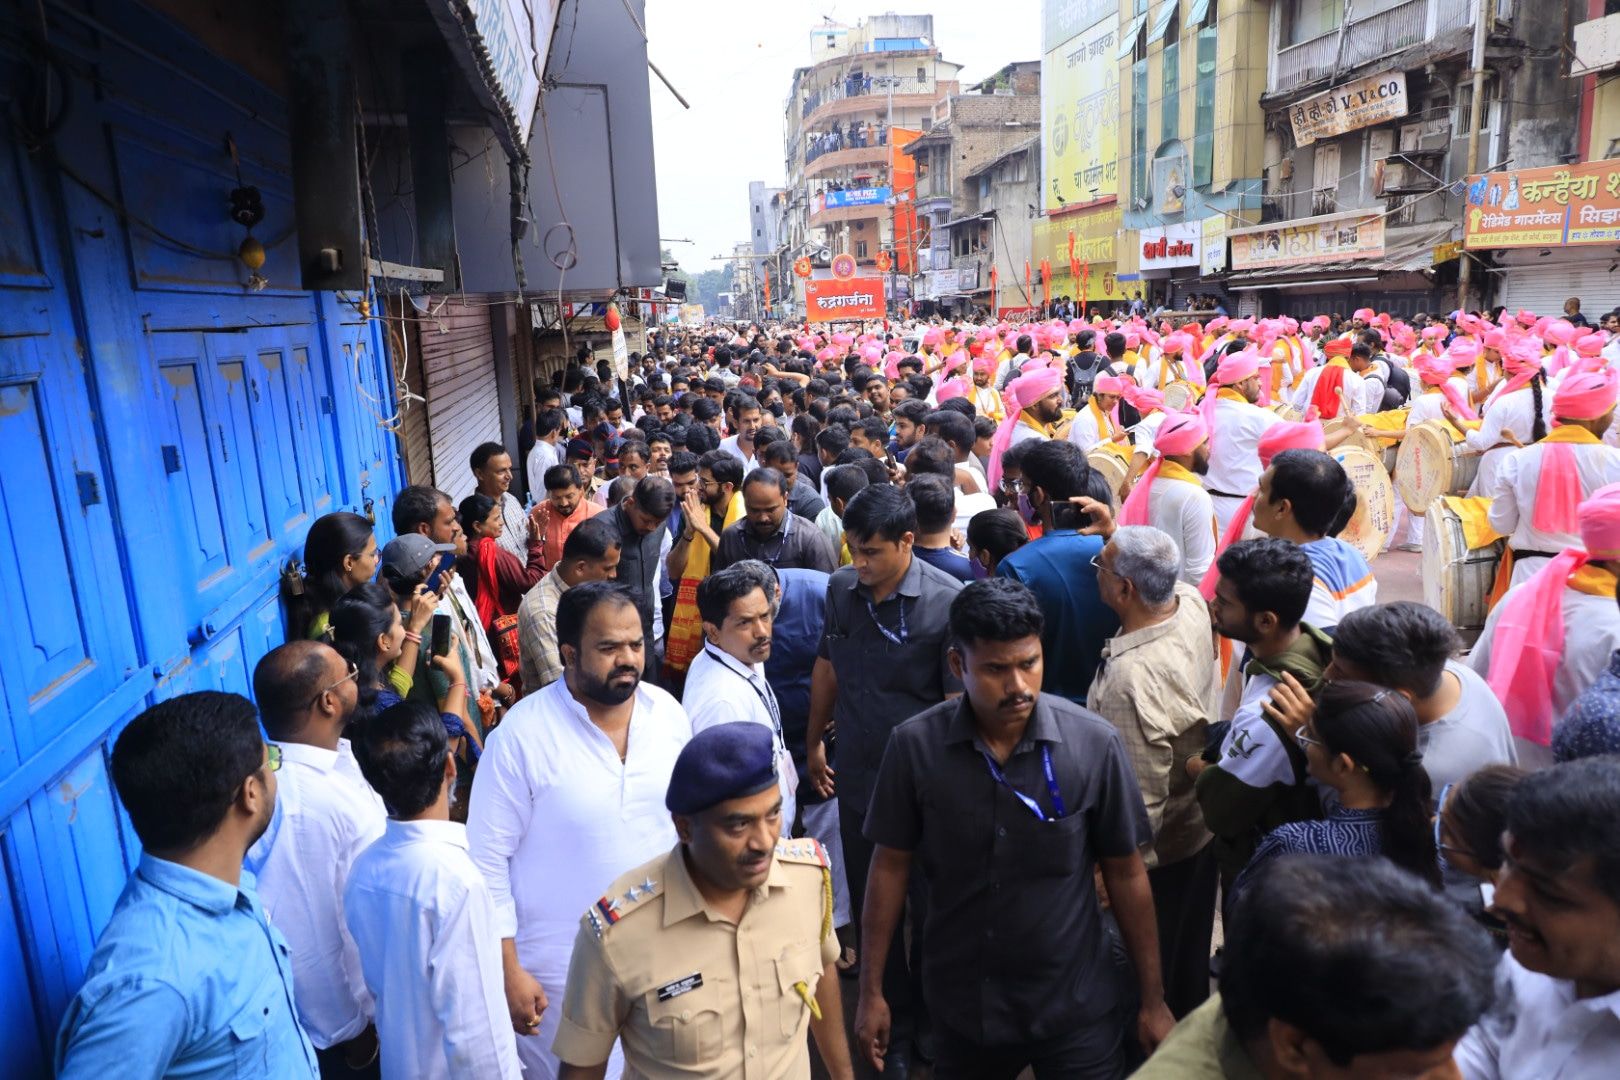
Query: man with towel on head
[[1539, 488], [1235, 424], [1034, 405], [1170, 495], [1552, 636]]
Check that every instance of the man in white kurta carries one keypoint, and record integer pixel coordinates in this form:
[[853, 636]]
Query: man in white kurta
[[1234, 445], [1503, 413], [557, 814], [1176, 502], [1513, 498]]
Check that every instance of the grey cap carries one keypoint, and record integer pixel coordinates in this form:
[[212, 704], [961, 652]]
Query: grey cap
[[407, 555]]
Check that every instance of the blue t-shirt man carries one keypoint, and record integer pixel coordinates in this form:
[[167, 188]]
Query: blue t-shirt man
[[1057, 568]]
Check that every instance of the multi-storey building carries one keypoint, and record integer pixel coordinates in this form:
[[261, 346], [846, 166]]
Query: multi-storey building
[[1370, 134], [961, 235], [863, 82], [1191, 139]]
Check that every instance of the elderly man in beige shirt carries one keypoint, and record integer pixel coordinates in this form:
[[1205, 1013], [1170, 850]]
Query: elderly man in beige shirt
[[1157, 684]]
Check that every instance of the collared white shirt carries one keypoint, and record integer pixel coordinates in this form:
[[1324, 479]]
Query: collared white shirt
[[729, 445], [542, 457], [1513, 498], [1355, 387], [555, 817], [425, 926], [720, 689], [1234, 457], [1083, 431], [1538, 1028], [328, 815]]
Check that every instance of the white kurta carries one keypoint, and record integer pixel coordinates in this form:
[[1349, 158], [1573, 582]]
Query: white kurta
[[1353, 385], [1083, 431], [555, 817], [1186, 513], [1234, 457], [1514, 499], [1515, 412], [1591, 634]]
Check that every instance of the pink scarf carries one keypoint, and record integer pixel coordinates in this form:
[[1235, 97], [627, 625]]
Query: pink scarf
[[1528, 646], [1181, 433]]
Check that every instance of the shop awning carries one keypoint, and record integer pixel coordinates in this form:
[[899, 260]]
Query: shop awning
[[965, 220], [1406, 250]]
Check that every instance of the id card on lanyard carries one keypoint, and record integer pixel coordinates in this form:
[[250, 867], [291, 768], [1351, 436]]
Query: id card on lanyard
[[788, 773], [1059, 811]]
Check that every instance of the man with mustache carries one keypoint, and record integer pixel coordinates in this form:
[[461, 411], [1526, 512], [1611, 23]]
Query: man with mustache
[[713, 959], [1009, 799], [569, 796], [726, 683]]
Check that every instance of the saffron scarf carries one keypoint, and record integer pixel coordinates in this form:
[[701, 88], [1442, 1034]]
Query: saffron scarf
[[685, 636]]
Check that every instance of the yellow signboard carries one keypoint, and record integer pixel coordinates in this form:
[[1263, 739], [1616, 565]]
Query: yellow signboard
[[1080, 118], [1095, 233]]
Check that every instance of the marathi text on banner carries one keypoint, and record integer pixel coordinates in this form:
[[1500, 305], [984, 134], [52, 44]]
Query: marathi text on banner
[[1080, 118], [1345, 108], [829, 299], [1325, 239], [1550, 207]]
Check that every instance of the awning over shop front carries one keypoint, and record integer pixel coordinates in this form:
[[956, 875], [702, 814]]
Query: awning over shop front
[[1405, 250]]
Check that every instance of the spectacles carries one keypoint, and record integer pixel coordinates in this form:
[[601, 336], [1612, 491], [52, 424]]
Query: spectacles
[[1305, 739], [1439, 821], [353, 672], [1096, 564], [1012, 485], [272, 754]]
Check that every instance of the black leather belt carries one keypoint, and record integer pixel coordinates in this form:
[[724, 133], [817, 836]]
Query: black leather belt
[[1517, 554]]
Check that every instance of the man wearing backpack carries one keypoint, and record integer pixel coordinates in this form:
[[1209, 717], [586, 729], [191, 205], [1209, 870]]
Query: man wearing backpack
[[1084, 367]]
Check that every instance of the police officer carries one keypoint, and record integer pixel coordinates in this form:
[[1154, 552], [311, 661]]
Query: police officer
[[713, 959]]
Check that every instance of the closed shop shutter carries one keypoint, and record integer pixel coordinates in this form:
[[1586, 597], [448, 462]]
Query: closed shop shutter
[[1544, 288], [463, 404]]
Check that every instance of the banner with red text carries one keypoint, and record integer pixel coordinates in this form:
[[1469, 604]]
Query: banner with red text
[[829, 299]]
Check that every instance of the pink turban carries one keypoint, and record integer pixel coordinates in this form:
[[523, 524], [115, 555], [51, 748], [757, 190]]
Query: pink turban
[[843, 341], [1322, 322], [1364, 314], [1217, 324], [1143, 399], [1526, 319], [1462, 352], [955, 360], [1133, 340], [1307, 434], [1560, 332], [1437, 371], [1589, 344], [1233, 368], [984, 362], [933, 336], [1586, 395], [1522, 361], [1181, 433], [1433, 333], [1583, 395], [1496, 339], [1241, 326], [950, 388], [1020, 394], [1529, 644], [1076, 325], [1108, 384], [1469, 323]]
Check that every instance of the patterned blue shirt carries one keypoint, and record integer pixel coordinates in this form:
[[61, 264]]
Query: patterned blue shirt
[[189, 979], [1342, 832], [1591, 724]]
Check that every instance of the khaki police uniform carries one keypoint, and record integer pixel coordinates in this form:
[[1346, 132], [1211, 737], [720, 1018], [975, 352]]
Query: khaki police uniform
[[686, 992]]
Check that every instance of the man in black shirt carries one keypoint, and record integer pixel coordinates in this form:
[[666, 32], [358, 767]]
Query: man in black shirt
[[641, 524], [1008, 799], [772, 533]]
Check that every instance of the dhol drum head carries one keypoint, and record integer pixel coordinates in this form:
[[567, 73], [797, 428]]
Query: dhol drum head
[[1426, 465], [1457, 579], [1286, 411], [1375, 501], [1111, 465], [1179, 395]]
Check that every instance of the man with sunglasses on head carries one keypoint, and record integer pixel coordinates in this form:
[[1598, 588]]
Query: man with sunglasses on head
[[306, 694], [189, 977]]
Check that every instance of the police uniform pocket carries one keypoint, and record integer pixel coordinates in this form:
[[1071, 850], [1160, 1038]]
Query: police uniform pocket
[[1049, 848], [799, 963], [686, 1027], [250, 1045]]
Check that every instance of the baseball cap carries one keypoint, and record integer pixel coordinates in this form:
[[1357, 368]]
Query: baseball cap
[[405, 556]]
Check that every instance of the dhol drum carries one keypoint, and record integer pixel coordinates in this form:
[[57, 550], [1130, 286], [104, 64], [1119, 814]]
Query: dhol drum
[[1111, 465], [1383, 449], [1286, 411], [1375, 500], [1457, 579], [1430, 464], [1179, 396]]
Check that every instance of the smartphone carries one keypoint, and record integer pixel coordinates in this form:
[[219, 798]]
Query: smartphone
[[441, 634], [446, 560]]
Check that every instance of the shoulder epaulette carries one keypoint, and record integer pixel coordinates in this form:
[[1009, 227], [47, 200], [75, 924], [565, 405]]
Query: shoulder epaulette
[[614, 906], [803, 850]]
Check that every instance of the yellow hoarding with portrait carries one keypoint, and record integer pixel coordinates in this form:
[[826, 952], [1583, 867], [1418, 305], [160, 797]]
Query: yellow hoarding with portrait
[[1080, 118], [1095, 235]]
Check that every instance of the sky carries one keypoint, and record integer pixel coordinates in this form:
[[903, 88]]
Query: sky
[[733, 60]]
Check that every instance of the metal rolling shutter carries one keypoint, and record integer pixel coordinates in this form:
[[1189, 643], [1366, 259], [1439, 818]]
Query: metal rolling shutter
[[463, 405], [1543, 289]]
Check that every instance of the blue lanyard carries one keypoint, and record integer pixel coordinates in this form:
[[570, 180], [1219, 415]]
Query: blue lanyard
[[1058, 809], [894, 638], [781, 545], [767, 697]]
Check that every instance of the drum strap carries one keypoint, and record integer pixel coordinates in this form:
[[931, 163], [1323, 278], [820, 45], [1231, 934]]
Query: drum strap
[[1520, 553]]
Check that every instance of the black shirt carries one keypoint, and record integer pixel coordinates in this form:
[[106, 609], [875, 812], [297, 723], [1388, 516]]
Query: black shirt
[[884, 680], [797, 544], [1013, 947]]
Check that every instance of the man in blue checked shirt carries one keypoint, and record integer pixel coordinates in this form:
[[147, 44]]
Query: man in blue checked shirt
[[189, 977]]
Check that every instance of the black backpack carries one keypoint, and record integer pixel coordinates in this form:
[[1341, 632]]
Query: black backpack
[[1083, 369], [1398, 390]]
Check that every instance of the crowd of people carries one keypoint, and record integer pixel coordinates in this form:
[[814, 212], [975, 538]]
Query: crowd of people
[[979, 669]]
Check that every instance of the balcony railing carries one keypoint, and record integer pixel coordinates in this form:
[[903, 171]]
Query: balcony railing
[[1365, 40], [833, 141], [861, 86]]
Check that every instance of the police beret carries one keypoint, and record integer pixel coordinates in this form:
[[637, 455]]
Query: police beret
[[727, 761]]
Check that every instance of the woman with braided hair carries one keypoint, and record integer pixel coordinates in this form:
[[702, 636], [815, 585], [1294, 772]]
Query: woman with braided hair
[[1362, 742]]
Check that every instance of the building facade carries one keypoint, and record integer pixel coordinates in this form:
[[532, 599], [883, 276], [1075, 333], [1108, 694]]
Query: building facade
[[863, 83]]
